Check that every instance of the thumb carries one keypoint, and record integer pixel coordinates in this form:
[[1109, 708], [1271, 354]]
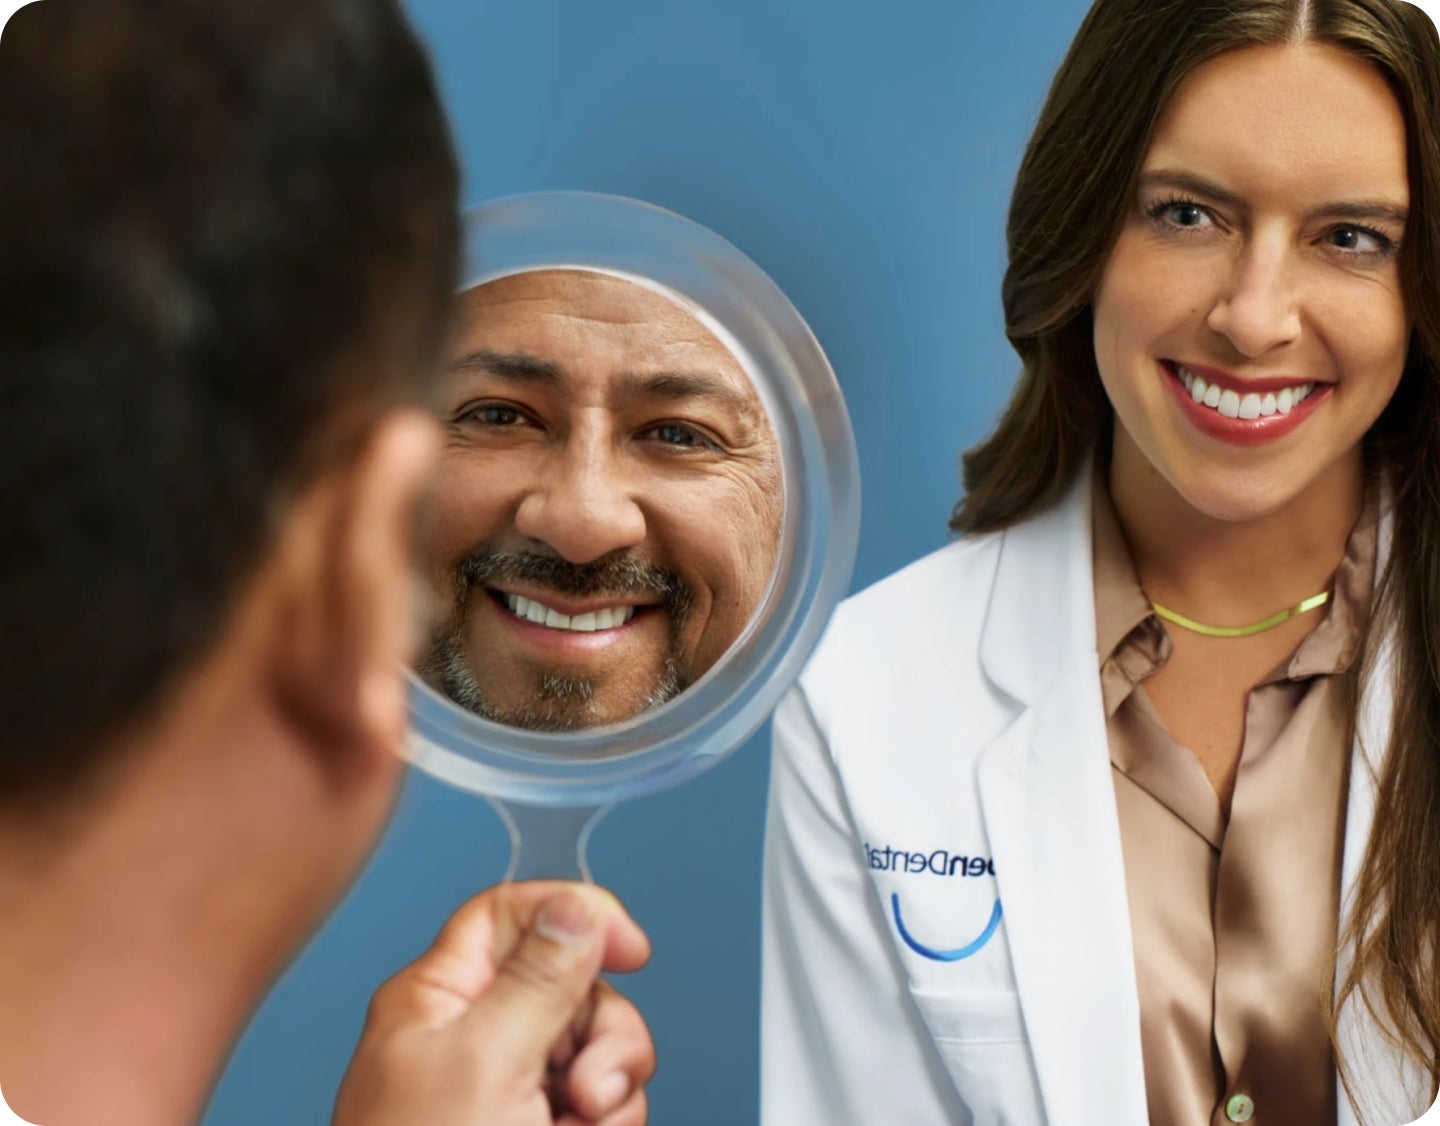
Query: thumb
[[547, 977]]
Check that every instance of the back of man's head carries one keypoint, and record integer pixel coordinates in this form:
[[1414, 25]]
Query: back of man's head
[[227, 240]]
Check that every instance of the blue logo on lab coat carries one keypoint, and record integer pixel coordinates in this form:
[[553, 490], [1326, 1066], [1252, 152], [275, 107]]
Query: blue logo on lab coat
[[955, 955]]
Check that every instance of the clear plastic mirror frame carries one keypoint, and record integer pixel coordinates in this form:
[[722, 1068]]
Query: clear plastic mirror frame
[[739, 303]]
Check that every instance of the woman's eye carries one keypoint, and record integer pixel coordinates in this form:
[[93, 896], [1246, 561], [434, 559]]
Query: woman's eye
[[1188, 216], [1360, 240]]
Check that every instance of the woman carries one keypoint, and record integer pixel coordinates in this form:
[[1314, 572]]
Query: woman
[[1126, 807]]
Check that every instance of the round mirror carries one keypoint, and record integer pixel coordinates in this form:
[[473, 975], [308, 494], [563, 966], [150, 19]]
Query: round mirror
[[646, 509]]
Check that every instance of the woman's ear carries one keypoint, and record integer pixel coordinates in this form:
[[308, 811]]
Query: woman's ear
[[346, 628]]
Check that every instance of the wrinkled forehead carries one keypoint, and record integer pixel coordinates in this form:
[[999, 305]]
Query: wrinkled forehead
[[591, 327]]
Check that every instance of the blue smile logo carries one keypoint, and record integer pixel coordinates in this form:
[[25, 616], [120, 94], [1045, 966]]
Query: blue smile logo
[[956, 955]]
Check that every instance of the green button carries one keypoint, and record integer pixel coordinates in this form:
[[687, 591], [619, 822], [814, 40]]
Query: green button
[[1240, 1108]]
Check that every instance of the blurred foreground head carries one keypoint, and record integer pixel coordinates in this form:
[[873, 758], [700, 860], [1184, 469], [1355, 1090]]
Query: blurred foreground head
[[227, 248]]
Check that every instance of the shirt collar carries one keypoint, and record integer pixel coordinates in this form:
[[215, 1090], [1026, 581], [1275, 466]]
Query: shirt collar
[[1131, 641]]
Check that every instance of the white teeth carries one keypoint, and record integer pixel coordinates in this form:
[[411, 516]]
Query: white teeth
[[588, 622], [1232, 404]]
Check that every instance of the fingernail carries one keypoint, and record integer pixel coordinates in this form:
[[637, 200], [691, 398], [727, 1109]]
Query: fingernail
[[612, 1089], [565, 919]]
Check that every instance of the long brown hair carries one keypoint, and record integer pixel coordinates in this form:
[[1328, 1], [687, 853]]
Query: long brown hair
[[1075, 186]]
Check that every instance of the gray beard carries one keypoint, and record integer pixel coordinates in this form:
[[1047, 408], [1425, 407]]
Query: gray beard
[[560, 702]]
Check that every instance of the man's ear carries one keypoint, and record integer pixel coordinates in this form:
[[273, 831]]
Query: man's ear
[[344, 585]]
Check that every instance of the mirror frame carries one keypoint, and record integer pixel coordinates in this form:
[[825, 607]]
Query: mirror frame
[[747, 312]]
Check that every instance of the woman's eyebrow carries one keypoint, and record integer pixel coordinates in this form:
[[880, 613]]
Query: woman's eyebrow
[[1373, 209], [1383, 210], [1190, 184]]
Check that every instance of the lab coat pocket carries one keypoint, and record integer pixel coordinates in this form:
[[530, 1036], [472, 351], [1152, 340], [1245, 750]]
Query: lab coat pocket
[[981, 1039]]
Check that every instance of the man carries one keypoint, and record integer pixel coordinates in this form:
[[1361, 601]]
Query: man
[[227, 249], [608, 510]]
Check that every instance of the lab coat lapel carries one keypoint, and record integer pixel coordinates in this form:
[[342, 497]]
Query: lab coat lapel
[[1049, 807]]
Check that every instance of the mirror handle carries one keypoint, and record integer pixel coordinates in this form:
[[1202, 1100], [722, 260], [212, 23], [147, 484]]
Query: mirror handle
[[548, 842]]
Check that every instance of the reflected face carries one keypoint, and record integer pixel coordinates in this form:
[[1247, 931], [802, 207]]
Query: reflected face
[[1250, 326], [607, 514]]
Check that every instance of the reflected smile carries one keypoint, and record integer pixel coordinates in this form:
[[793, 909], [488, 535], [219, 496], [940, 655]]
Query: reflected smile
[[590, 621]]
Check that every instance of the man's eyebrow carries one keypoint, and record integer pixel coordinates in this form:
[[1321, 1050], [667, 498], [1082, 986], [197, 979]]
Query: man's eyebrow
[[685, 385], [1381, 209], [520, 367]]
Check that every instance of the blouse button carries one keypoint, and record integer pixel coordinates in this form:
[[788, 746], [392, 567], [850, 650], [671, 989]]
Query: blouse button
[[1240, 1108]]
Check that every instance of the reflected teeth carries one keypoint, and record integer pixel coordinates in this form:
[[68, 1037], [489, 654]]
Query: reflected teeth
[[589, 622], [1247, 407]]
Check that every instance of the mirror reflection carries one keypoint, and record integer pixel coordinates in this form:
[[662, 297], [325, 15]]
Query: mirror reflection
[[607, 515]]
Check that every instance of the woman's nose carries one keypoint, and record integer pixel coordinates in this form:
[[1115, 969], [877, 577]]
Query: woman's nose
[[1258, 307]]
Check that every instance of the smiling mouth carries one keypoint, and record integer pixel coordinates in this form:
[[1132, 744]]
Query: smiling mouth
[[592, 621], [1231, 404]]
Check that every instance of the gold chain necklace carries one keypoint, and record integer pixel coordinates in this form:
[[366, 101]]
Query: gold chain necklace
[[1313, 602]]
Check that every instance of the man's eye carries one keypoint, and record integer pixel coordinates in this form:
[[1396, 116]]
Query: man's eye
[[679, 435], [492, 415]]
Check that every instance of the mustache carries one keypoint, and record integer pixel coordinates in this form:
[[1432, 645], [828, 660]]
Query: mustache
[[619, 576]]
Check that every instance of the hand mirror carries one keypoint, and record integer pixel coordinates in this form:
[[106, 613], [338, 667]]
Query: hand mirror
[[646, 508]]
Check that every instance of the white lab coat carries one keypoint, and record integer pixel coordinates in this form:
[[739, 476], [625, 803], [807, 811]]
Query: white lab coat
[[954, 711]]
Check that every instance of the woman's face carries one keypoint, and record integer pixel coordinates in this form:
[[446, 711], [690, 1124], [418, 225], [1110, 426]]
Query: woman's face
[[1249, 327]]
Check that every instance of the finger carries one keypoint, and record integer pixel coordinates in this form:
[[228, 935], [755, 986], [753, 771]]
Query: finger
[[441, 985], [565, 1049], [627, 947], [541, 986], [634, 1112], [617, 1058]]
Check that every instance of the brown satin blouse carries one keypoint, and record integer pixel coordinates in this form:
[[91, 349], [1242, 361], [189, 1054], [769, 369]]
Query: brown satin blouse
[[1234, 921]]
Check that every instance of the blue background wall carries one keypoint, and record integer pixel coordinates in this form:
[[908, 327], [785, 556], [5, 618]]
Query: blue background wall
[[863, 156]]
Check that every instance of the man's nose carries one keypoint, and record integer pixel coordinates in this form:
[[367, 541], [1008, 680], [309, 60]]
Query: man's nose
[[584, 507], [1258, 306]]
